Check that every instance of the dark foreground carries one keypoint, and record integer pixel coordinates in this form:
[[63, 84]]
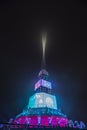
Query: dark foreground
[[4, 128], [26, 127]]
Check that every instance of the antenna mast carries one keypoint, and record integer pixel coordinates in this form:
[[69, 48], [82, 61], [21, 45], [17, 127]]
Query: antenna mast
[[44, 48]]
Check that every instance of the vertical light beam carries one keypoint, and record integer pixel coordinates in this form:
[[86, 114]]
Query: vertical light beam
[[44, 47]]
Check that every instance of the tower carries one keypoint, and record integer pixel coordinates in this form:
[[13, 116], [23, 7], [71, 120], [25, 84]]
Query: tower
[[42, 106]]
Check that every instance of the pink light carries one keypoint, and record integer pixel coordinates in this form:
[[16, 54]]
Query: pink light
[[38, 84], [44, 120]]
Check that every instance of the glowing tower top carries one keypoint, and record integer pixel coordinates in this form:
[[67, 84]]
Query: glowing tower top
[[44, 50]]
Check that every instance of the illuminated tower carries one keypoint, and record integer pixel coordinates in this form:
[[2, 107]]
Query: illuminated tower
[[42, 106], [42, 102]]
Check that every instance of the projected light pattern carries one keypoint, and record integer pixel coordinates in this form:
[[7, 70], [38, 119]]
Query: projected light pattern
[[42, 100], [43, 83]]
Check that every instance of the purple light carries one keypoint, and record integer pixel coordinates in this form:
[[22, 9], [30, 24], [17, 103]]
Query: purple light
[[43, 83]]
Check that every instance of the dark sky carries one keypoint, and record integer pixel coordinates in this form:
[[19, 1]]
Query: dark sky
[[21, 27]]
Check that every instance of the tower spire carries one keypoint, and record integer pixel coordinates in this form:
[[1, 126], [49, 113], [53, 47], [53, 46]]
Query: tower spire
[[43, 73], [44, 48]]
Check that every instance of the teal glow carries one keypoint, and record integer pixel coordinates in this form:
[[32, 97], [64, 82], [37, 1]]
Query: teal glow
[[42, 100], [31, 102]]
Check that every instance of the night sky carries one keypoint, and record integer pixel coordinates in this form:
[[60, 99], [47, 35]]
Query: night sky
[[21, 28]]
